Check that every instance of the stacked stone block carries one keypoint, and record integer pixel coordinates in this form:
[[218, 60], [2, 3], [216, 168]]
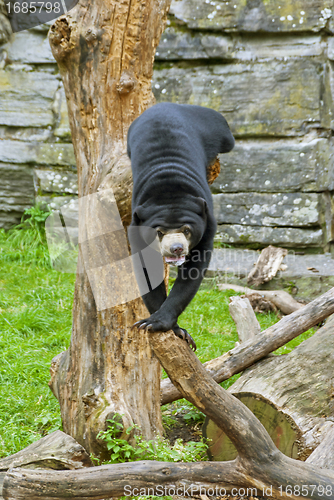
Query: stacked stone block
[[267, 65]]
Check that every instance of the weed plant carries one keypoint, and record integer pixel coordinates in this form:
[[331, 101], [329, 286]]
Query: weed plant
[[35, 325], [159, 449]]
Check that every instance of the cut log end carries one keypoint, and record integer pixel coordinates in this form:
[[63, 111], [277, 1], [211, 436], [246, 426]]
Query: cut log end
[[280, 427]]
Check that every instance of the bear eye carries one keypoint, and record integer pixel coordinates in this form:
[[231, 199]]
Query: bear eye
[[186, 231]]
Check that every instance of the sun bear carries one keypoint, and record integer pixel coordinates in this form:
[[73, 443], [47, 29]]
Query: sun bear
[[171, 147]]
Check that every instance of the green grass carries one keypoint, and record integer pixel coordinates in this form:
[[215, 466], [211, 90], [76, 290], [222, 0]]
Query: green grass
[[35, 325]]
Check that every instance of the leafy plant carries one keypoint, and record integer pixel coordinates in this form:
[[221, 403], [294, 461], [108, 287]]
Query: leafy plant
[[157, 449], [121, 450], [194, 415]]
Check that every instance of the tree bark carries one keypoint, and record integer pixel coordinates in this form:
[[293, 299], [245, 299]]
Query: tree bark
[[247, 353], [291, 395], [105, 51]]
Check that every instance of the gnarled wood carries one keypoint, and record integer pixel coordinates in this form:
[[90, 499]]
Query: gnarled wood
[[291, 395], [281, 299], [247, 353], [267, 265], [105, 51]]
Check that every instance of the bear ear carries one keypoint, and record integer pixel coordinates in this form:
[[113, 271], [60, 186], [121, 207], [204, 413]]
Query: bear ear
[[137, 215], [203, 205]]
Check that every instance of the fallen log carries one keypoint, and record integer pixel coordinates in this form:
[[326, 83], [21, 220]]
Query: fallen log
[[281, 299], [244, 318], [291, 395], [259, 467], [54, 451], [57, 451], [247, 353], [267, 265]]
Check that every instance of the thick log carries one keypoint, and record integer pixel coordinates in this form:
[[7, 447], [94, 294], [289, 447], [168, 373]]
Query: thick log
[[244, 318], [267, 265], [102, 482], [291, 395], [55, 451], [247, 353], [281, 299], [105, 51]]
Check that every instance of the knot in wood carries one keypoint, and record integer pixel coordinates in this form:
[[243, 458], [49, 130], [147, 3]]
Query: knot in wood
[[126, 83], [90, 401], [90, 36], [166, 471], [60, 31]]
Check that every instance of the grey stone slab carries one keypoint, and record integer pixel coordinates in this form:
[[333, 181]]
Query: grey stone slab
[[269, 98], [26, 134], [26, 98], [268, 209], [261, 236], [16, 193], [274, 166], [29, 47], [62, 128], [232, 266], [37, 153], [253, 16], [57, 202], [277, 47], [17, 187], [179, 44], [56, 181]]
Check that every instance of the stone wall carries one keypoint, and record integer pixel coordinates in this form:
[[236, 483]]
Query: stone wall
[[266, 65]]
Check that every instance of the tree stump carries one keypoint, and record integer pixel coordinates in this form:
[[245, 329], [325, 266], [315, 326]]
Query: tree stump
[[292, 396]]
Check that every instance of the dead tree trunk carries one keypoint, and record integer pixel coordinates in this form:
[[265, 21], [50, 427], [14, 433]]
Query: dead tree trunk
[[105, 51], [291, 395]]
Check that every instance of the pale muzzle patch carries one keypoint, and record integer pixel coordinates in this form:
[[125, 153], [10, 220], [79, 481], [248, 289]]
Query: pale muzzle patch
[[171, 240]]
